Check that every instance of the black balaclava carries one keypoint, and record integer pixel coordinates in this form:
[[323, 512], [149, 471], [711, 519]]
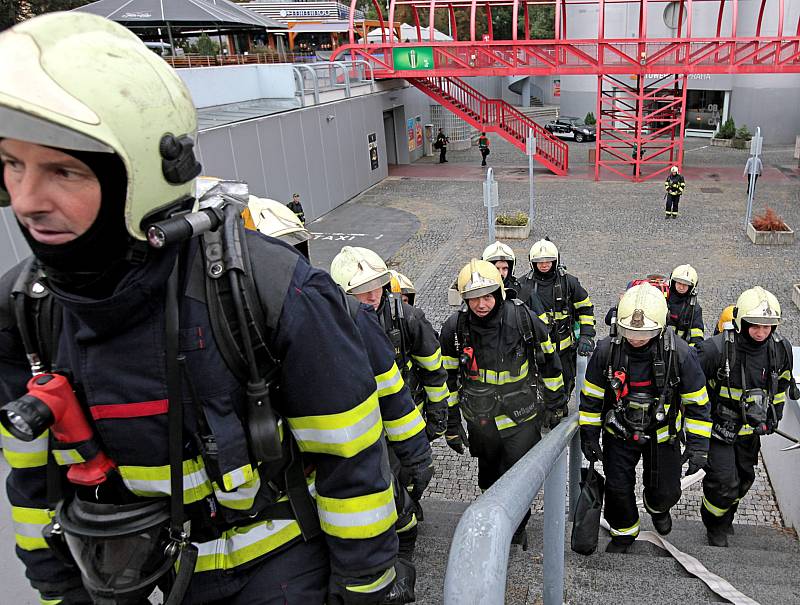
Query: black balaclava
[[748, 340], [673, 291], [498, 304], [96, 259], [550, 274]]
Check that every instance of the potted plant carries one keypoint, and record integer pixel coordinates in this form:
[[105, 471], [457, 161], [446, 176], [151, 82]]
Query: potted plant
[[725, 135], [512, 225], [769, 228], [742, 136]]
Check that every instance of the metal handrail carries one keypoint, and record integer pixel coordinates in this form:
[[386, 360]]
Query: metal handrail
[[371, 71], [299, 85], [341, 65], [313, 76], [478, 562]]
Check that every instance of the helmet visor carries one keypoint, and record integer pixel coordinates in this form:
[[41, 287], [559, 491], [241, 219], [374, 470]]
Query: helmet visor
[[638, 334], [32, 129], [762, 321], [370, 285]]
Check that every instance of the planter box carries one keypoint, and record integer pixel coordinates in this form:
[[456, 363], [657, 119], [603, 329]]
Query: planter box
[[769, 237], [796, 295], [715, 142], [506, 232]]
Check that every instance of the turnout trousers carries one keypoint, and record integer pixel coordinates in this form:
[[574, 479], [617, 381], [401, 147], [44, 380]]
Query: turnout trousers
[[729, 475], [569, 363], [672, 204], [661, 478]]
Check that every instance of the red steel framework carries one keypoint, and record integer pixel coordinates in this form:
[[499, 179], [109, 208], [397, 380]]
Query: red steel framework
[[642, 115]]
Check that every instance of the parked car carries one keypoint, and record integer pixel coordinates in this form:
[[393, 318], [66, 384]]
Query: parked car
[[567, 127]]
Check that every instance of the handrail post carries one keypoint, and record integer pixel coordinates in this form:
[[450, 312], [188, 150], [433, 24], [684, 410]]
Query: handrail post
[[575, 461], [554, 530]]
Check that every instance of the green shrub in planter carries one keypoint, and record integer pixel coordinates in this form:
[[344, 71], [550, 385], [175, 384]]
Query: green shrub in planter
[[515, 219], [590, 119], [743, 133], [728, 130]]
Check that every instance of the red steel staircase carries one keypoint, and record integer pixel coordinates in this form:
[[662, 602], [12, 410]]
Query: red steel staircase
[[493, 115]]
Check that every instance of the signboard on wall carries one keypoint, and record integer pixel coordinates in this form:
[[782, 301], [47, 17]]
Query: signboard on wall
[[418, 130], [412, 139], [556, 88], [419, 57], [372, 146]]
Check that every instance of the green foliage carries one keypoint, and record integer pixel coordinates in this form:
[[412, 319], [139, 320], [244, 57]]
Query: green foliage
[[515, 219], [590, 119], [743, 133], [15, 11], [728, 130], [205, 46]]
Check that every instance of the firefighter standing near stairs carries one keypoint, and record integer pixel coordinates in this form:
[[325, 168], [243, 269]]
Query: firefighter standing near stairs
[[749, 370], [566, 305], [674, 187], [503, 373], [640, 383], [685, 313]]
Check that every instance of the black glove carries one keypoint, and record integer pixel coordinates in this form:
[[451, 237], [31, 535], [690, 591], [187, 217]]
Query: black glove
[[585, 345], [590, 446], [551, 418], [419, 476], [456, 436], [402, 590], [697, 459], [347, 590], [435, 420]]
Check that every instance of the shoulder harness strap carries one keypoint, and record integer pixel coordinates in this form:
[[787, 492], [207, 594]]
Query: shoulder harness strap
[[38, 316]]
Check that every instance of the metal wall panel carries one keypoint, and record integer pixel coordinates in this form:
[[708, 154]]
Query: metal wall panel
[[13, 247], [247, 156]]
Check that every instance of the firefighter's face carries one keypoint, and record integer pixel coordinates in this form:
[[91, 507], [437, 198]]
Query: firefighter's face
[[55, 196], [373, 297], [759, 333], [638, 343], [482, 305], [405, 298], [502, 266], [544, 265], [681, 288]]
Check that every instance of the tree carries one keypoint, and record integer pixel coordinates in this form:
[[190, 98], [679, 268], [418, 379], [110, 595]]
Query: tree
[[15, 11], [206, 46]]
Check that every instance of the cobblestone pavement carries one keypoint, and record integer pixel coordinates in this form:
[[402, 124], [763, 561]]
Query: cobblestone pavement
[[607, 234]]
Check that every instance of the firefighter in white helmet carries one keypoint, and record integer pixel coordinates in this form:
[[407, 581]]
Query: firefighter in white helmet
[[674, 186], [749, 371], [685, 314], [401, 283], [636, 383], [567, 306], [502, 256], [503, 373], [272, 218]]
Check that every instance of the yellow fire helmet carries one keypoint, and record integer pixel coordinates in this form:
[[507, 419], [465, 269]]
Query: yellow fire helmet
[[642, 312], [479, 278], [500, 251], [725, 319], [359, 270], [272, 218], [75, 81], [543, 251], [757, 306], [401, 283], [684, 274]]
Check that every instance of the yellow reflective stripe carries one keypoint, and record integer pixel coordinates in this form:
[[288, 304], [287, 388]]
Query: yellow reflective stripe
[[785, 375], [243, 544], [452, 399], [504, 377], [732, 393], [429, 362], [714, 510], [696, 333], [67, 456], [358, 517], [554, 384], [344, 434], [698, 397], [565, 343], [404, 427], [24, 454], [582, 303], [55, 601], [503, 422], [449, 363], [746, 430], [698, 427], [390, 382], [235, 478], [242, 498], [544, 317], [436, 393], [633, 530], [386, 578], [28, 525], [586, 320], [592, 390], [153, 481], [410, 525], [560, 315], [589, 418], [779, 398], [547, 346]]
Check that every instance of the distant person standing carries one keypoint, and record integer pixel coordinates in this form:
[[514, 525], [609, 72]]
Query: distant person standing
[[441, 145], [483, 147], [296, 207], [674, 185], [752, 170]]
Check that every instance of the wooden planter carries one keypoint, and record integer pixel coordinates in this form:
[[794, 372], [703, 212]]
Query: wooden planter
[[796, 295], [506, 232], [769, 237]]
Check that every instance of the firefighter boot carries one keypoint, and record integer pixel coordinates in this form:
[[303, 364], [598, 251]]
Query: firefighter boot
[[619, 546], [662, 522], [718, 537]]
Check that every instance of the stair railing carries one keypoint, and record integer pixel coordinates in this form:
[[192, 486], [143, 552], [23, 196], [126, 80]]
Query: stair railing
[[478, 562]]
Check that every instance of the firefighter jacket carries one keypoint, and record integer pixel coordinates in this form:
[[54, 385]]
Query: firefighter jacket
[[686, 318], [402, 422], [598, 398], [417, 351], [503, 361], [114, 350], [675, 184], [763, 363], [573, 306], [297, 208]]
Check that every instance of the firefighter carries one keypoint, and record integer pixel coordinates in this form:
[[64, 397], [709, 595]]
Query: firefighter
[[636, 383], [725, 321], [504, 374], [567, 306], [362, 273], [296, 207], [685, 313], [96, 147], [502, 257], [674, 187], [407, 290], [749, 370]]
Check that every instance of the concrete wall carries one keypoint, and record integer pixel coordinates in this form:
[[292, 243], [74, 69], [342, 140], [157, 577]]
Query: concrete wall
[[407, 104], [212, 86], [13, 247]]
